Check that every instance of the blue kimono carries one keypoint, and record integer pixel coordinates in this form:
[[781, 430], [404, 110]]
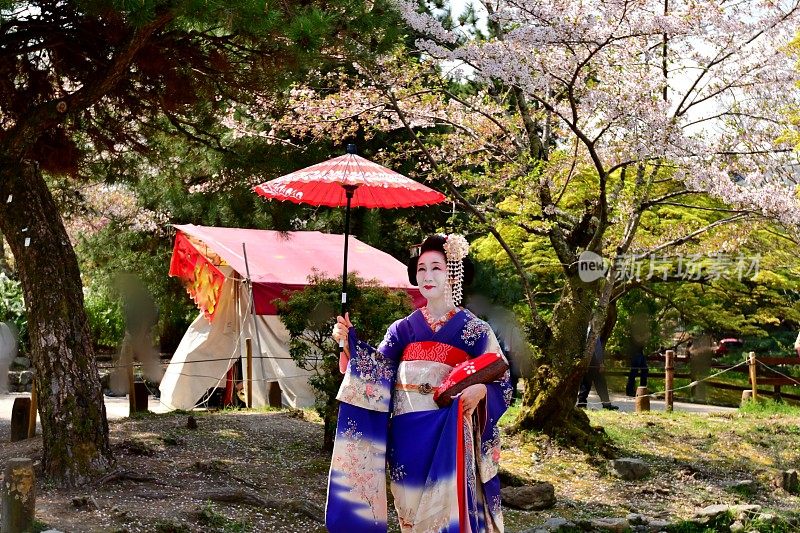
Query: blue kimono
[[442, 468]]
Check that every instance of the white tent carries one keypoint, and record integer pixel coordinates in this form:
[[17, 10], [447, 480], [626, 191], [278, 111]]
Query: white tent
[[210, 262]]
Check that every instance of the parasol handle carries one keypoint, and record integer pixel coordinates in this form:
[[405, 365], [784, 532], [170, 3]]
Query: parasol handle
[[349, 191]]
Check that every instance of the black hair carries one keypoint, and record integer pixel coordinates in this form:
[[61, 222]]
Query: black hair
[[436, 243]]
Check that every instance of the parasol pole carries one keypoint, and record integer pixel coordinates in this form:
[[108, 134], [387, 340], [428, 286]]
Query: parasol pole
[[349, 190], [253, 314]]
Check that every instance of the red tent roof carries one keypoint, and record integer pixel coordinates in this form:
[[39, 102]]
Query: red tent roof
[[281, 261]]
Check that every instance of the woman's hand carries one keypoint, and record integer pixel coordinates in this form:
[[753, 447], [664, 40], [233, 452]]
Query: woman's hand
[[471, 397], [339, 334], [341, 328]]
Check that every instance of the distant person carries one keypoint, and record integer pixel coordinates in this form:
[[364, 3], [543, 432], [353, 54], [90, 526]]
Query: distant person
[[141, 315], [701, 354], [640, 334], [8, 351], [595, 375]]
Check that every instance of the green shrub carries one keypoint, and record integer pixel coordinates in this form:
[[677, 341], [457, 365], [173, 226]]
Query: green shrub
[[310, 314], [12, 309], [104, 312]]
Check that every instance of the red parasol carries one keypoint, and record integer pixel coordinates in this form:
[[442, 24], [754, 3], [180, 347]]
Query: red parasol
[[327, 183], [350, 181]]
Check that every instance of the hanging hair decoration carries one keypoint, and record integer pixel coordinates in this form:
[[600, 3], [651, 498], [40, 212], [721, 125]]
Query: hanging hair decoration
[[456, 249]]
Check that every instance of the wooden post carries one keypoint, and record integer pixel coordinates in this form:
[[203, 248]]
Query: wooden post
[[131, 390], [669, 379], [141, 396], [20, 416], [18, 495], [642, 400], [248, 343], [776, 394], [32, 411], [751, 358]]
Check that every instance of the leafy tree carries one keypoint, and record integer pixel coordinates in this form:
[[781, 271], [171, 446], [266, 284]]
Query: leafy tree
[[310, 314], [610, 114], [82, 84]]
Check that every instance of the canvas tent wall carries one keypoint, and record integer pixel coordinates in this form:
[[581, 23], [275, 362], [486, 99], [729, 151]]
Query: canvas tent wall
[[210, 262]]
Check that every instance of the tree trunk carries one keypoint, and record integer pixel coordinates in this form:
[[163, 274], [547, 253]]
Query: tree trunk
[[74, 426], [548, 404]]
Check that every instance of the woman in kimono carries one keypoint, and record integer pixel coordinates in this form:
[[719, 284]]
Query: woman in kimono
[[442, 462]]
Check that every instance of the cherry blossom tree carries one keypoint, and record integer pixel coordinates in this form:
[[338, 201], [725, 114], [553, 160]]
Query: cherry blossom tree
[[660, 102], [579, 122]]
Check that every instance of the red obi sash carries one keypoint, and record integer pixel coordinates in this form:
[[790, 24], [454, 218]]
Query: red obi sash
[[437, 352]]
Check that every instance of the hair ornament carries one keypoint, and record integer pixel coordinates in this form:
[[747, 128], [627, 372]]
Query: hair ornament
[[456, 249]]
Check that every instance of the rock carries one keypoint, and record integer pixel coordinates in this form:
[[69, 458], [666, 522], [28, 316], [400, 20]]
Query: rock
[[635, 519], [52, 531], [742, 512], [656, 526], [747, 486], [87, 503], [616, 525], [630, 469], [21, 362], [737, 527], [558, 524], [25, 377], [712, 510], [530, 497]]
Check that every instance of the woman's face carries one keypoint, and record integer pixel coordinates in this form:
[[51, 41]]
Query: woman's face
[[432, 275]]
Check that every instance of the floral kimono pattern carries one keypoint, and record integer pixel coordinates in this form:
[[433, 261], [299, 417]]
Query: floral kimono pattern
[[442, 468]]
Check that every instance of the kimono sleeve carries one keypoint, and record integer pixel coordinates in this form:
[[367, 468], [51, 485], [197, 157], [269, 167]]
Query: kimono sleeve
[[370, 374], [498, 398]]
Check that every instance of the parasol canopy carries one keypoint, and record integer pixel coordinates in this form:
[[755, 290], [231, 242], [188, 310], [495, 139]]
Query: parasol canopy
[[326, 184]]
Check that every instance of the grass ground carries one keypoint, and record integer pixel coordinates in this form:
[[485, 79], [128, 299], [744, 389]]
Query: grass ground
[[695, 459], [276, 455]]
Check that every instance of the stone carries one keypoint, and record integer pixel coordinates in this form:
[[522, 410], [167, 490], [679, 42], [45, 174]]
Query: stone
[[630, 469], [744, 485], [558, 524], [712, 511], [21, 362], [636, 519], [86, 502], [743, 511], [766, 518], [656, 526], [529, 497], [118, 512], [25, 377], [615, 525], [737, 527]]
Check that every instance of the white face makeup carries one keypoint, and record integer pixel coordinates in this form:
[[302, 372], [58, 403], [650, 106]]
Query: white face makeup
[[432, 275]]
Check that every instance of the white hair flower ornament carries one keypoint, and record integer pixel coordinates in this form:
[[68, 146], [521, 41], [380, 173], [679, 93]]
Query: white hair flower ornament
[[456, 249]]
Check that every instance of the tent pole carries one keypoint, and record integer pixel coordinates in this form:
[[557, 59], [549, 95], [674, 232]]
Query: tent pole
[[253, 303]]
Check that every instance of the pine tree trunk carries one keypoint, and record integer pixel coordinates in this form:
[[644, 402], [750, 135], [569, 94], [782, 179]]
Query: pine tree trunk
[[548, 404], [74, 426]]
